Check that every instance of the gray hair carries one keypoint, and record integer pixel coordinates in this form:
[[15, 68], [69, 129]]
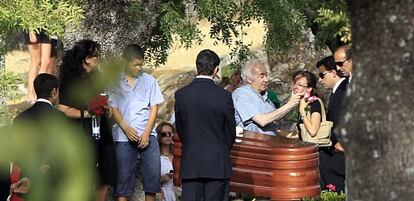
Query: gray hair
[[247, 68]]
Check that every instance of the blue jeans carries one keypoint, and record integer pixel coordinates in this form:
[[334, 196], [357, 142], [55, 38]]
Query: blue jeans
[[126, 157]]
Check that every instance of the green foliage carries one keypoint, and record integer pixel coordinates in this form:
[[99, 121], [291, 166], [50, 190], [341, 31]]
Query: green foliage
[[284, 20], [50, 16], [9, 90], [333, 20], [58, 145], [328, 196]]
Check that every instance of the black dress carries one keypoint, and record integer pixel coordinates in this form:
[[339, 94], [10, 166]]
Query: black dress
[[314, 107], [72, 93]]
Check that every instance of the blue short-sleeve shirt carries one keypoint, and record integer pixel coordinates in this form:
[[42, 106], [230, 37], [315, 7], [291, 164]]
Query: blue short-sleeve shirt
[[134, 103], [248, 103]]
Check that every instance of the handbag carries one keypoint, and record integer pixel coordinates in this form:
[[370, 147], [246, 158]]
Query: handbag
[[323, 137]]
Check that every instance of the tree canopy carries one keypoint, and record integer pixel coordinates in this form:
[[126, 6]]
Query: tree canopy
[[166, 20]]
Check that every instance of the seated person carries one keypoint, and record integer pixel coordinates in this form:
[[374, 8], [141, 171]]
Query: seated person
[[254, 110]]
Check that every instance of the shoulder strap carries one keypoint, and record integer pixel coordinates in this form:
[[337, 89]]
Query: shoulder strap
[[322, 110]]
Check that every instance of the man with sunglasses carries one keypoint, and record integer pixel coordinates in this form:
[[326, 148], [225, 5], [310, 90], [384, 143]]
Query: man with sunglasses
[[343, 61], [204, 118], [332, 159]]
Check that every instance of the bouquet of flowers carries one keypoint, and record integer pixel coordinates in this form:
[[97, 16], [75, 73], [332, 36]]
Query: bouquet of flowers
[[96, 107], [310, 98]]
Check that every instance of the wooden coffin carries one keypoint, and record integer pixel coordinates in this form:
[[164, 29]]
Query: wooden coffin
[[270, 166]]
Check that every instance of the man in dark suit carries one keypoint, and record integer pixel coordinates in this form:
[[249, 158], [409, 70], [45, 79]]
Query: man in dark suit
[[332, 159], [206, 126], [38, 117], [46, 88]]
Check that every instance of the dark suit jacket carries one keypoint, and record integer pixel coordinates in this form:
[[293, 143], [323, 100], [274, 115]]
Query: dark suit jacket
[[335, 106], [38, 112], [204, 118]]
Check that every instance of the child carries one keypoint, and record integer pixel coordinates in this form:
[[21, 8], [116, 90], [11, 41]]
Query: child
[[135, 101]]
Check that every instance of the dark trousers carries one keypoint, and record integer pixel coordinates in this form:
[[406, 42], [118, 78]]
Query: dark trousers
[[332, 169], [204, 189]]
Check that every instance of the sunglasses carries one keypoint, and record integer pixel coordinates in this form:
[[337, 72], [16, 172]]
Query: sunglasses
[[164, 134], [341, 63], [322, 75]]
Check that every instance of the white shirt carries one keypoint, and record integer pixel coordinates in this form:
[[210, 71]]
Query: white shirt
[[44, 101], [204, 76], [337, 85]]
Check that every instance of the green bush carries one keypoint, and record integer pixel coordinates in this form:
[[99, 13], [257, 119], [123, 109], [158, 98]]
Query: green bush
[[9, 90], [327, 196]]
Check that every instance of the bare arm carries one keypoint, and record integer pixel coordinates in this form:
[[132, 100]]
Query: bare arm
[[150, 125], [311, 121], [130, 132], [266, 118], [72, 112]]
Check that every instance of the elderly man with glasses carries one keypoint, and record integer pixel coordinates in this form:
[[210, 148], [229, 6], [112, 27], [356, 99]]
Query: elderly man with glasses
[[254, 110]]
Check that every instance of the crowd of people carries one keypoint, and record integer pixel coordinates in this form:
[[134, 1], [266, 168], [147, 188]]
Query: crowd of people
[[206, 117]]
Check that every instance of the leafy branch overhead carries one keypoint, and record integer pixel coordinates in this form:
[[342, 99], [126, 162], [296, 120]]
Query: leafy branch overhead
[[157, 23]]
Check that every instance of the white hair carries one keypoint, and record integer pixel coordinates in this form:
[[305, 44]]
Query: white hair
[[247, 69]]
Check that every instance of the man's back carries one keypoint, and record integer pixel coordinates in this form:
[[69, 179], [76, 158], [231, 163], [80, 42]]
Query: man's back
[[39, 111], [206, 127]]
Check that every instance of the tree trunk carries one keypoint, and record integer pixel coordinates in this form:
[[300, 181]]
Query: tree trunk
[[378, 120]]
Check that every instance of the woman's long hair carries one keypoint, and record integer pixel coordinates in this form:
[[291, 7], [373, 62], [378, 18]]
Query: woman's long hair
[[72, 61]]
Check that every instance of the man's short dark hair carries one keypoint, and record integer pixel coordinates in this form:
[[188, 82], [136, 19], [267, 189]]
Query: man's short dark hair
[[44, 84], [133, 51], [328, 62], [206, 62]]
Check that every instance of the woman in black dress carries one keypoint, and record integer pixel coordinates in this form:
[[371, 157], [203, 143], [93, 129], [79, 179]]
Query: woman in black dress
[[78, 85]]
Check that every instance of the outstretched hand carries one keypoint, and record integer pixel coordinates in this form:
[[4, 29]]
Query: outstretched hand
[[294, 99], [22, 186]]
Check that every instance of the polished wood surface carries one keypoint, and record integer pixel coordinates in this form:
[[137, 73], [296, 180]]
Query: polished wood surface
[[270, 166]]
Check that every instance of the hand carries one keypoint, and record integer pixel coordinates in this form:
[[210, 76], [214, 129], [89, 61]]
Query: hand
[[166, 177], [22, 186], [131, 133], [294, 99], [144, 141], [302, 106], [338, 147]]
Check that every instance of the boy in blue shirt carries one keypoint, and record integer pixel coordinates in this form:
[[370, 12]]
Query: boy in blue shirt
[[135, 101]]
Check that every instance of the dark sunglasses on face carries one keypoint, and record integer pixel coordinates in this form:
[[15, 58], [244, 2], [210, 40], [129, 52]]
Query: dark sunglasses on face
[[164, 134], [322, 75], [341, 63]]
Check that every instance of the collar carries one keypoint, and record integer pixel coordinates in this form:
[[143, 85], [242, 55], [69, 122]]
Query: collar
[[263, 96], [204, 77], [337, 85], [44, 101], [124, 77]]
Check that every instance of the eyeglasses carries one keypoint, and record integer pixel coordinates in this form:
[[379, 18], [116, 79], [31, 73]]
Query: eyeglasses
[[341, 63], [299, 85], [322, 75], [165, 133]]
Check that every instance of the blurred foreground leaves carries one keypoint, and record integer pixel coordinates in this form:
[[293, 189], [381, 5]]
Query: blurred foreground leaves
[[60, 145]]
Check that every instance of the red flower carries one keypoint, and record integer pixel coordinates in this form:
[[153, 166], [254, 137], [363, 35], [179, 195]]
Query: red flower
[[96, 105], [331, 187]]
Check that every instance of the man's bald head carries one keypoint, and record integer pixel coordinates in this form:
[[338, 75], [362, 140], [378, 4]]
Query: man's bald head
[[343, 60]]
